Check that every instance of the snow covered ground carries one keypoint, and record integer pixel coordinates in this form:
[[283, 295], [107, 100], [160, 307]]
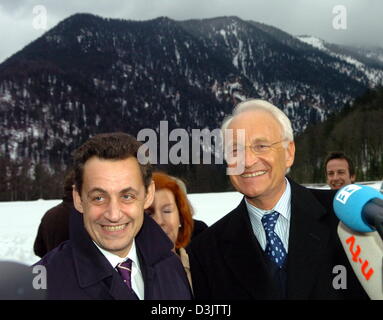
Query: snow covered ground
[[19, 220]]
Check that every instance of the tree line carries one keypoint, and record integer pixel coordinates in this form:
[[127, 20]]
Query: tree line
[[21, 180], [357, 130]]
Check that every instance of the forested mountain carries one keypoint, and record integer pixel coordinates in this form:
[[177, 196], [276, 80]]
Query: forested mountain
[[90, 74]]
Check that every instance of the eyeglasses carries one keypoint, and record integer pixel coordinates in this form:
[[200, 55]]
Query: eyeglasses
[[257, 148]]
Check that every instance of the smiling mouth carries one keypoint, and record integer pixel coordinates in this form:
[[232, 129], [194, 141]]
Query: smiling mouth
[[115, 228], [255, 174], [337, 184]]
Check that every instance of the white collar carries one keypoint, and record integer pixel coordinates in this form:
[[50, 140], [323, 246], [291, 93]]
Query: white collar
[[282, 206], [114, 259]]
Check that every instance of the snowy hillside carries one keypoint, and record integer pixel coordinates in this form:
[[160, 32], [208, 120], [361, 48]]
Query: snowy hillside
[[89, 75], [353, 57]]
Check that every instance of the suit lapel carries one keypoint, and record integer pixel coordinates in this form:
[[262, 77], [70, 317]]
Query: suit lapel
[[148, 275], [243, 255], [307, 241], [119, 290], [96, 276]]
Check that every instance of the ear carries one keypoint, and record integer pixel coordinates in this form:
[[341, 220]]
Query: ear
[[149, 197], [77, 200], [353, 178], [290, 154]]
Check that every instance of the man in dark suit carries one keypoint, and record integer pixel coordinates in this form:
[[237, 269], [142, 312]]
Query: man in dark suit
[[281, 241], [114, 251], [54, 225]]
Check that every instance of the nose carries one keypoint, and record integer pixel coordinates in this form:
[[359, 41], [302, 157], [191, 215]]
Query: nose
[[157, 216], [336, 176], [250, 157], [113, 213]]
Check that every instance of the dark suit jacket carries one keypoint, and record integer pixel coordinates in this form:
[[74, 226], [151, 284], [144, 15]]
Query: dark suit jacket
[[53, 228], [76, 269], [227, 261], [199, 226]]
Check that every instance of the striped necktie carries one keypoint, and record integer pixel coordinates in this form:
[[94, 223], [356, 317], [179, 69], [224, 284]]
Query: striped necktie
[[125, 270]]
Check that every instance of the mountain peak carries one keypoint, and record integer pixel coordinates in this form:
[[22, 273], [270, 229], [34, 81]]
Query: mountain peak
[[313, 41], [79, 19], [91, 74]]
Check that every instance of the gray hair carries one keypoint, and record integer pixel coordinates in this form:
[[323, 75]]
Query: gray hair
[[262, 105]]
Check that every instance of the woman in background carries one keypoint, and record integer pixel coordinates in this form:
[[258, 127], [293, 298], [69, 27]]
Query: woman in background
[[172, 211], [198, 225]]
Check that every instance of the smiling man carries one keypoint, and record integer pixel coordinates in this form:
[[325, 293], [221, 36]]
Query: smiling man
[[281, 241], [114, 251], [339, 170]]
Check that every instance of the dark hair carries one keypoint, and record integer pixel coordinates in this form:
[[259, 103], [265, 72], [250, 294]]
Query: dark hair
[[68, 185], [164, 181], [340, 155], [113, 146]]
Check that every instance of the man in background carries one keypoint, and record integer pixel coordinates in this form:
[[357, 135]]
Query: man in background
[[54, 225], [339, 169]]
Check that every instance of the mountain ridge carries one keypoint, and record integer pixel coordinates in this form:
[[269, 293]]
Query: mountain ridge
[[90, 74]]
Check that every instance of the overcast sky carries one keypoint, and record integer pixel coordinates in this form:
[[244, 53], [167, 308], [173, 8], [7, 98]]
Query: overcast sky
[[363, 23]]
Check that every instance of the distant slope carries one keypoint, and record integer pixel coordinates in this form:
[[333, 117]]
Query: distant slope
[[369, 61]]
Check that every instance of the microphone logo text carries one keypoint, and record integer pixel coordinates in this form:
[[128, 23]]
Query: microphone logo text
[[356, 251], [343, 195]]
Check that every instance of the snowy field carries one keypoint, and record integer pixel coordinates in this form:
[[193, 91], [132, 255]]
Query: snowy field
[[20, 220]]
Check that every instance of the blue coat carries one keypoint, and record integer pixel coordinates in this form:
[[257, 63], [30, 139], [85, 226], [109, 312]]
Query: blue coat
[[76, 269]]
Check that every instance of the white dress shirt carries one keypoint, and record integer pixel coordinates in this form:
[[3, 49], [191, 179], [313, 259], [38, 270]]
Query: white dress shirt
[[136, 275], [282, 227]]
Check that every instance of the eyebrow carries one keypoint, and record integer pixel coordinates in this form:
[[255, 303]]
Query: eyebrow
[[129, 189], [100, 190], [254, 141], [338, 171], [96, 190], [167, 205], [259, 140]]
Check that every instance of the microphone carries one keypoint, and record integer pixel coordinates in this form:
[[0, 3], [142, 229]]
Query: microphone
[[360, 211], [364, 252], [360, 208]]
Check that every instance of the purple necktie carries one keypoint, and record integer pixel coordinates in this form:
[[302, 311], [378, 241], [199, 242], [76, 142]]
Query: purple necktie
[[125, 269]]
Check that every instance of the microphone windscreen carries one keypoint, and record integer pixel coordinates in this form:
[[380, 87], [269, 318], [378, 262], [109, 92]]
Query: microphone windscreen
[[364, 252], [348, 205]]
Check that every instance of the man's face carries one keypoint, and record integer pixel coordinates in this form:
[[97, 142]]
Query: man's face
[[338, 174], [112, 201], [263, 179]]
